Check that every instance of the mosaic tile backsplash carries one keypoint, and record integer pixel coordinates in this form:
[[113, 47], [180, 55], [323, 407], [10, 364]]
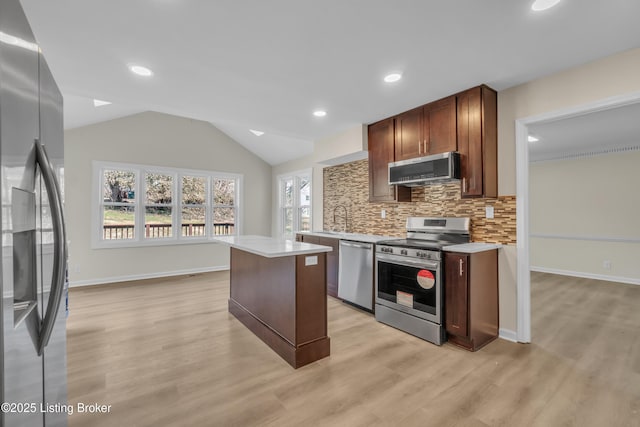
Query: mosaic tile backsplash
[[347, 185]]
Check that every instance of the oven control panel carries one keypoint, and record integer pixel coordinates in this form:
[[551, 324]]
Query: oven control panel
[[409, 252]]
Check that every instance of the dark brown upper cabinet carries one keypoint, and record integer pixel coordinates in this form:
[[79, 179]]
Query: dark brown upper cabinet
[[440, 126], [381, 153], [409, 139], [430, 129], [478, 142], [466, 122]]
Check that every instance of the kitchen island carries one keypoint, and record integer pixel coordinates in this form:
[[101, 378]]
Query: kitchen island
[[279, 292]]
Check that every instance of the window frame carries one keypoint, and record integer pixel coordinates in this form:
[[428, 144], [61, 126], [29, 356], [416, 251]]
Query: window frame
[[139, 239], [296, 207], [208, 218], [175, 221]]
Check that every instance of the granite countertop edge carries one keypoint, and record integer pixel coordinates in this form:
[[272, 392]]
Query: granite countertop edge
[[270, 247]]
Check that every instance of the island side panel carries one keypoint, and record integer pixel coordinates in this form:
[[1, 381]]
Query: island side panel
[[311, 310], [311, 298], [266, 288]]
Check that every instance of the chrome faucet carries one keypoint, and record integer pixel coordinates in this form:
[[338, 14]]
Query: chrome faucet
[[345, 217]]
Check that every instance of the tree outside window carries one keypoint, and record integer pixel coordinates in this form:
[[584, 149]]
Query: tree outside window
[[194, 206], [158, 207], [224, 210], [118, 207], [176, 204]]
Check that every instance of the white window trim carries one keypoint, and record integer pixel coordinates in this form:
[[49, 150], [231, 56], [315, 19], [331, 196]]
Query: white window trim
[[296, 200], [97, 242]]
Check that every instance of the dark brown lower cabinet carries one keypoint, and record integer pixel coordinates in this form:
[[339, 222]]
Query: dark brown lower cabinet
[[332, 259], [471, 298]]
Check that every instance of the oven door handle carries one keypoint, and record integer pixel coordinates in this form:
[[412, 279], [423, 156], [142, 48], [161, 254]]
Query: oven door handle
[[403, 261]]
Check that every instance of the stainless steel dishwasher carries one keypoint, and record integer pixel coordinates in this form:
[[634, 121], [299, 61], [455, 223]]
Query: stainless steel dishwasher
[[355, 277]]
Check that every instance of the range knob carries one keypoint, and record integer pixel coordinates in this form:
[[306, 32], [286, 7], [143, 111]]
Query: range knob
[[404, 252], [421, 254]]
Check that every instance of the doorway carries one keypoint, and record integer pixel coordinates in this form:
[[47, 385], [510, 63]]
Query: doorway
[[524, 128]]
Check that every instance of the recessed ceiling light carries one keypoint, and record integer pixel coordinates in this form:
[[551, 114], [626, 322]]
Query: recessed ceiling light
[[256, 132], [392, 77], [141, 71], [540, 5], [319, 113], [100, 103], [532, 139]]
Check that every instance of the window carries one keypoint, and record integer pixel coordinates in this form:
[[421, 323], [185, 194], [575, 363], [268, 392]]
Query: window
[[158, 215], [176, 206], [295, 203], [118, 204], [194, 206], [224, 209]]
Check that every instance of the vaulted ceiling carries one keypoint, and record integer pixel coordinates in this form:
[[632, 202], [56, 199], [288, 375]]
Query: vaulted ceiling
[[267, 65]]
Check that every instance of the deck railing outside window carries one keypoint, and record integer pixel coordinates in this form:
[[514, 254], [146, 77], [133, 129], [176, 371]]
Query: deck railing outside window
[[123, 231]]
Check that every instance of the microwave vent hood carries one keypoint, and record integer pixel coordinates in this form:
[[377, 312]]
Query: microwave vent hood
[[425, 170]]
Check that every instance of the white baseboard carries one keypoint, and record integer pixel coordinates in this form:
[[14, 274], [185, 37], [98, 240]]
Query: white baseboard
[[114, 279], [629, 280], [508, 334]]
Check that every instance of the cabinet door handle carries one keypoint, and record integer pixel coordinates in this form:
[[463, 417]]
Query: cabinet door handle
[[464, 185], [419, 147], [461, 269], [426, 146]]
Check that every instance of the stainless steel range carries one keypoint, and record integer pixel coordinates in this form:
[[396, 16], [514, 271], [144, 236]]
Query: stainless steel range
[[409, 281]]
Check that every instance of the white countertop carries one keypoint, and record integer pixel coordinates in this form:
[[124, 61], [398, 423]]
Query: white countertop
[[356, 237], [270, 247], [470, 248]]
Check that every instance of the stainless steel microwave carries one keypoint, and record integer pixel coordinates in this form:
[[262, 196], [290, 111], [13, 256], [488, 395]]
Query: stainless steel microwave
[[425, 170]]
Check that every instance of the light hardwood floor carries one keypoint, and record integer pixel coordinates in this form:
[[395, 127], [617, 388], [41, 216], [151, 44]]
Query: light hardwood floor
[[167, 353]]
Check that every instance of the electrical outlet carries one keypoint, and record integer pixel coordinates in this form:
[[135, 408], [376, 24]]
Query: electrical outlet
[[606, 264], [488, 212], [383, 213]]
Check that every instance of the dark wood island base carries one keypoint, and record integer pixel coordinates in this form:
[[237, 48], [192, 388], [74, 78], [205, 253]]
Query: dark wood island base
[[283, 301]]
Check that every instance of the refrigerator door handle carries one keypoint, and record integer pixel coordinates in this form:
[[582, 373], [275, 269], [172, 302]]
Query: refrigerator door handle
[[58, 276]]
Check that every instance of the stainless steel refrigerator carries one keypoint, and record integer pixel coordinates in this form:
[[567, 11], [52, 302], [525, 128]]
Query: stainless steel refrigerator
[[33, 372]]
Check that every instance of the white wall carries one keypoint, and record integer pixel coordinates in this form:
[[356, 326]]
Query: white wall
[[614, 75], [160, 140], [341, 146], [348, 145], [595, 199]]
